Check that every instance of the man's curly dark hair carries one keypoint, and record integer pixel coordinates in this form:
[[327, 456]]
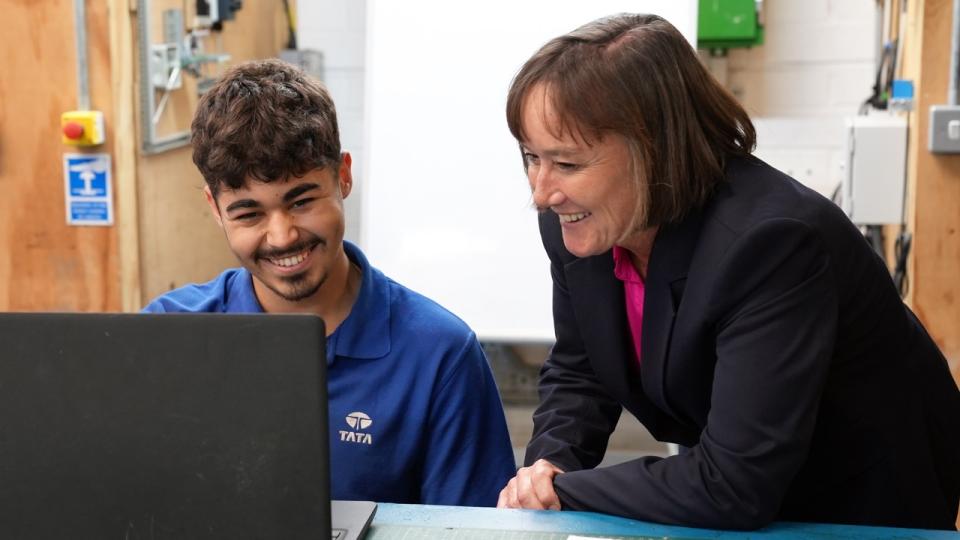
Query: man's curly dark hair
[[264, 120]]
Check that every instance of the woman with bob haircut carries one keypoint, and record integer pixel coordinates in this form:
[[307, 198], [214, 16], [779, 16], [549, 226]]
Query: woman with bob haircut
[[729, 308]]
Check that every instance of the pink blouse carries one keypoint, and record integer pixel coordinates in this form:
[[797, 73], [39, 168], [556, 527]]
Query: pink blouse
[[633, 290]]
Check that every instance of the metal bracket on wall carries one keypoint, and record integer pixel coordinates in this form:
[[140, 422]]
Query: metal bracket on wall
[[149, 109]]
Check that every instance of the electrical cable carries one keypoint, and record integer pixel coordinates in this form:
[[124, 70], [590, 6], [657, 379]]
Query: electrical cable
[[901, 248], [874, 236], [883, 81], [291, 26], [889, 63], [904, 241], [901, 252]]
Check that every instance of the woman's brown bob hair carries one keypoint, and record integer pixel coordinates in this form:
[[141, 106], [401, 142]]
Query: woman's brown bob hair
[[636, 76], [266, 120]]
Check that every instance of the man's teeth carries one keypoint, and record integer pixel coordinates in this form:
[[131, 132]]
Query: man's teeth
[[290, 261], [573, 218]]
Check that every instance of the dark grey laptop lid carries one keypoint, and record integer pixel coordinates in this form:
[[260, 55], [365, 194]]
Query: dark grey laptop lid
[[163, 426]]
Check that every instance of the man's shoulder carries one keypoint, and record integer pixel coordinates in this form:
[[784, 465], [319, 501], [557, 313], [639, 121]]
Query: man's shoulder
[[420, 315], [209, 297]]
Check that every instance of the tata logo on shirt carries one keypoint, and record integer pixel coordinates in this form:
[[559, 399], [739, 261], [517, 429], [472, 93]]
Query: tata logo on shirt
[[358, 423]]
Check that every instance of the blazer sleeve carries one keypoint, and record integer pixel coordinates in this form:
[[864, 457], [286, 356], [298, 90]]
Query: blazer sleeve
[[573, 422], [775, 306]]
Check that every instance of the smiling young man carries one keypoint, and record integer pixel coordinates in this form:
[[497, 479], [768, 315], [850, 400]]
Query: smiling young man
[[415, 416]]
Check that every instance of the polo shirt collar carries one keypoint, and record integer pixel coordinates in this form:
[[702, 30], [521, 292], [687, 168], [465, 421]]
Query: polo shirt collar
[[365, 333], [241, 298]]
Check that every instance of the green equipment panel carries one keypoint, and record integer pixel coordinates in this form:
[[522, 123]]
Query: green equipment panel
[[723, 24]]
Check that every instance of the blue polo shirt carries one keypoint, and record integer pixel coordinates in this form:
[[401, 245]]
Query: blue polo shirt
[[415, 416]]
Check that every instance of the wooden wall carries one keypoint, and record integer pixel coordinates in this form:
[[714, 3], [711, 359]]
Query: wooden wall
[[163, 235], [46, 264], [934, 182], [936, 221], [179, 240]]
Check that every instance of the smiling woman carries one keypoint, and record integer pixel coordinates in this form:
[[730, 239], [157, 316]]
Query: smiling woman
[[732, 310], [584, 182]]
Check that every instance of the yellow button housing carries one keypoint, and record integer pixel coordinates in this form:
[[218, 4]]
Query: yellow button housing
[[91, 122]]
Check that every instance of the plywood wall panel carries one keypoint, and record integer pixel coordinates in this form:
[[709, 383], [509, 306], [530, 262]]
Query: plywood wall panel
[[46, 264], [934, 183]]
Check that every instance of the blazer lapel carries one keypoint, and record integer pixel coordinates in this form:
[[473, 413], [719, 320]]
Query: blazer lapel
[[592, 284], [597, 298], [666, 278]]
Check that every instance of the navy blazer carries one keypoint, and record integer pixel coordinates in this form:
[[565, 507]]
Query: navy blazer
[[774, 346]]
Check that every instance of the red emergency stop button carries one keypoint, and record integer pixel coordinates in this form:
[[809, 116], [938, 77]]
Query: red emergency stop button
[[73, 130], [81, 128]]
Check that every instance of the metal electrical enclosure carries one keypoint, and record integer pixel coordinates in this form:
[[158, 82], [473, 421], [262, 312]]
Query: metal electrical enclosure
[[873, 187]]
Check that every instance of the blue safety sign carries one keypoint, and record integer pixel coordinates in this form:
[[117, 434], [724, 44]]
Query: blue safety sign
[[89, 211], [89, 200]]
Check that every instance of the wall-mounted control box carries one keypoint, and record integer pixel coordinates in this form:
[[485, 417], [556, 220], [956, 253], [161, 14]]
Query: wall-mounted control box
[[876, 156]]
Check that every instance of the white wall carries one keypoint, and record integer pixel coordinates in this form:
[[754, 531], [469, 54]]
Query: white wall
[[447, 208], [337, 28], [816, 66]]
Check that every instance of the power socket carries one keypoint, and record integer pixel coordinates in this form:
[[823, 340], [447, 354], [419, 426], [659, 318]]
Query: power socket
[[945, 129]]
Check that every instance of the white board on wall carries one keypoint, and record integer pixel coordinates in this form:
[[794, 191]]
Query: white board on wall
[[446, 206]]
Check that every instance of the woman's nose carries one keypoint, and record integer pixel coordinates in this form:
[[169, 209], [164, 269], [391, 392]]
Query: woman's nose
[[546, 190]]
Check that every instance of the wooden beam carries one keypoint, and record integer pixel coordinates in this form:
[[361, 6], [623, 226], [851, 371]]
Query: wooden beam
[[122, 48], [935, 182]]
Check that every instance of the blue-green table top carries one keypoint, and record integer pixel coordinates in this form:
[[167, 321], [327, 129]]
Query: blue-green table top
[[418, 522]]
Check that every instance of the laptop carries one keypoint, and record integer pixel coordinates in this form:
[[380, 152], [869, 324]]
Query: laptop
[[155, 426]]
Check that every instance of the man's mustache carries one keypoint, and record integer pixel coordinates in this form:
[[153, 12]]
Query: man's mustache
[[290, 251]]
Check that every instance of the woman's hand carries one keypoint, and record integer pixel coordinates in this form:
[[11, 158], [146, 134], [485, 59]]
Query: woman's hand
[[532, 488]]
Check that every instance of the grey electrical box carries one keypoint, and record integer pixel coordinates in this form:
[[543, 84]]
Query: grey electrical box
[[875, 169], [309, 60], [945, 129]]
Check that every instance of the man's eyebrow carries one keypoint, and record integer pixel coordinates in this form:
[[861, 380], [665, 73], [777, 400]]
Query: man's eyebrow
[[298, 191], [242, 203]]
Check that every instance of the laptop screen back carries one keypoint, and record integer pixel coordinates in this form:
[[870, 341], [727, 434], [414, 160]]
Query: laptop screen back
[[163, 426]]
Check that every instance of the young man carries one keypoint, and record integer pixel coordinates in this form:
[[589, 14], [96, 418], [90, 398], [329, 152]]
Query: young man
[[415, 416]]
